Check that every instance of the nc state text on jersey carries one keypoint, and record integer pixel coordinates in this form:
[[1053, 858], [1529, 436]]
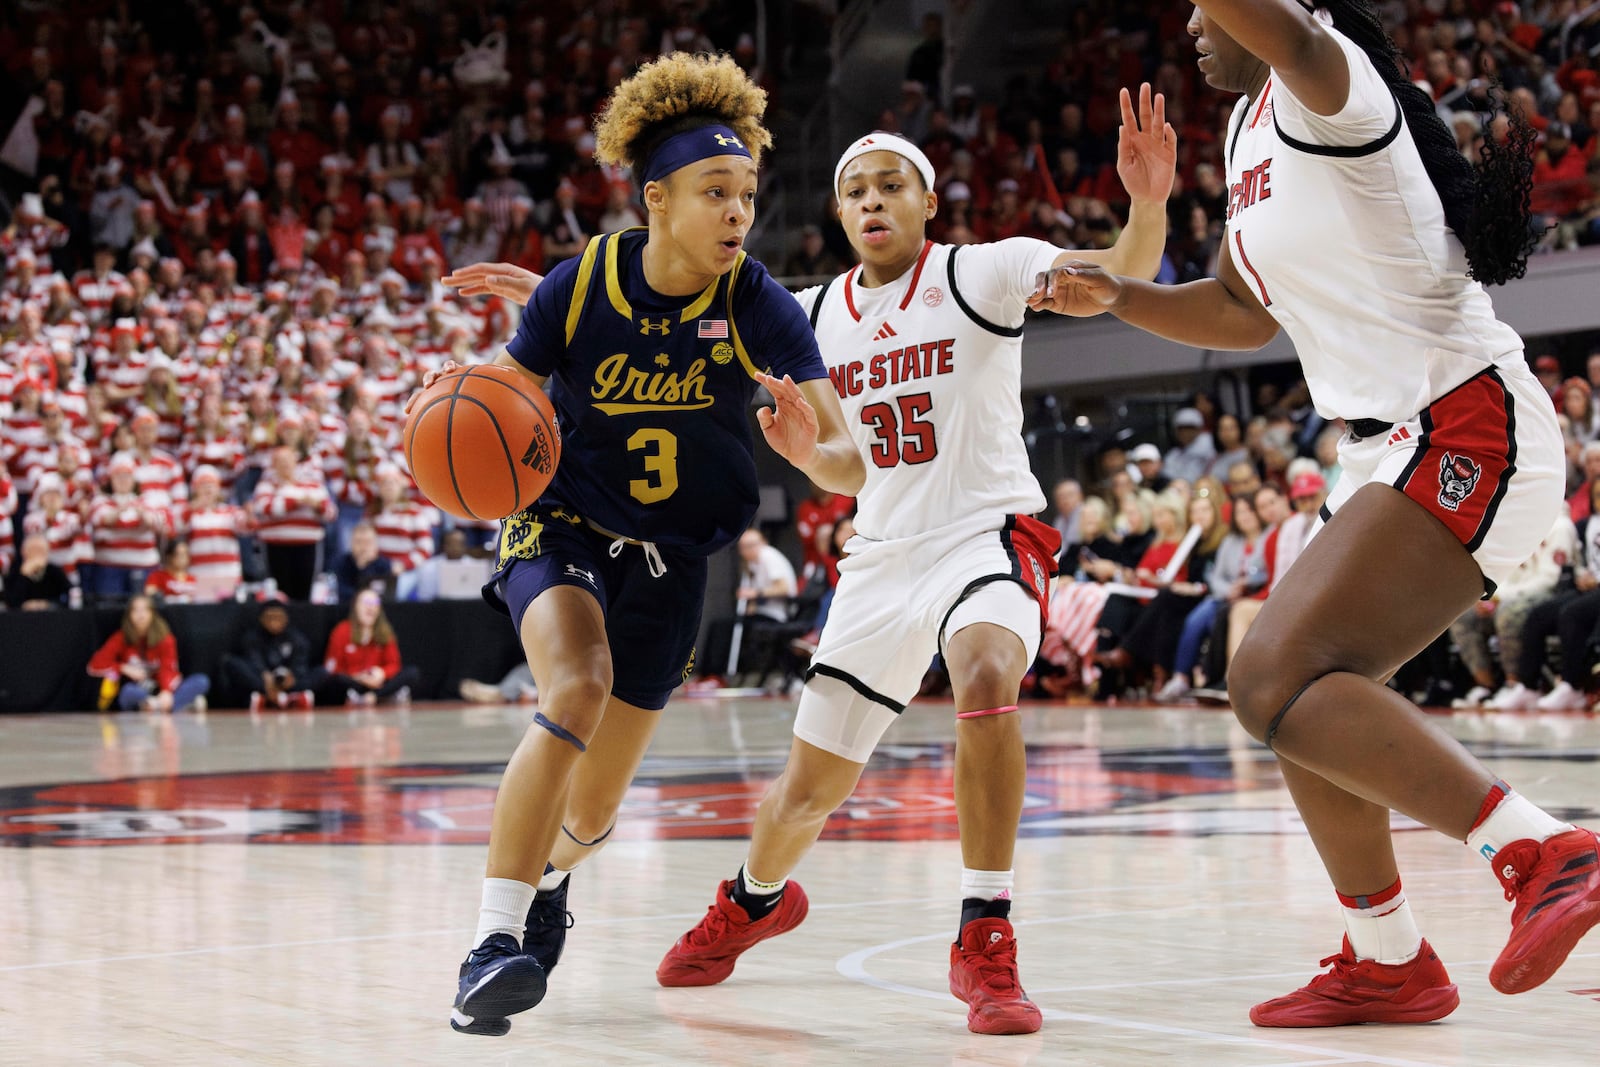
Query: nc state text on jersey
[[894, 367], [1253, 185]]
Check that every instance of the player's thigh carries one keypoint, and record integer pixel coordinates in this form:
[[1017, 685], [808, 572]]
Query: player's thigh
[[652, 623], [563, 631], [1374, 588], [991, 638], [869, 662]]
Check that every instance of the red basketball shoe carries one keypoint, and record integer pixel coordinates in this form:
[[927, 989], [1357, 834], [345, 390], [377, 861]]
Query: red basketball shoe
[[983, 975], [1366, 991], [1556, 887], [706, 954]]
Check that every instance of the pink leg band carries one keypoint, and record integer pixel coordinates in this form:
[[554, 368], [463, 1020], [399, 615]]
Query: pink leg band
[[1008, 709]]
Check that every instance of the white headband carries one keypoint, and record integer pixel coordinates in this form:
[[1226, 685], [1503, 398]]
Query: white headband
[[886, 142]]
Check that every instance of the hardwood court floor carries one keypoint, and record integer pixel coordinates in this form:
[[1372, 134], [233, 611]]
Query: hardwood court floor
[[299, 889]]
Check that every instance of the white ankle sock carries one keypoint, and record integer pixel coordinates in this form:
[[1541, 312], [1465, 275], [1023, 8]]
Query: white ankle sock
[[1513, 818], [552, 879], [1381, 926], [987, 885], [504, 909], [759, 889]]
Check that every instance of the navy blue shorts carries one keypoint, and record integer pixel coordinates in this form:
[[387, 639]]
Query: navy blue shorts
[[651, 623]]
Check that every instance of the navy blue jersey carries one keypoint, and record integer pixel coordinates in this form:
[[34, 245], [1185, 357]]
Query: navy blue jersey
[[653, 392]]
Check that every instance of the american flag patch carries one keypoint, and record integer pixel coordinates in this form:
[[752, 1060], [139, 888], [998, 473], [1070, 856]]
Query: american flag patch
[[713, 328]]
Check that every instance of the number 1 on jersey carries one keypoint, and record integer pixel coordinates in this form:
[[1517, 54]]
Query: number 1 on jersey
[[908, 438]]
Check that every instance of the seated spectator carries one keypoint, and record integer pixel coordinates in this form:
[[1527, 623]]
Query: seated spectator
[[1067, 496], [1123, 611], [766, 578], [517, 687], [172, 582], [271, 664], [453, 574], [1307, 494], [1238, 571], [1504, 615], [8, 508], [1190, 459], [1272, 508], [138, 665], [363, 661], [35, 583], [363, 567], [1146, 459], [1573, 612], [1152, 640], [814, 518]]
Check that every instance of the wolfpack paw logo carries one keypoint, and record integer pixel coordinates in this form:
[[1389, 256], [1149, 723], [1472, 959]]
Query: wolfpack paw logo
[[1458, 477]]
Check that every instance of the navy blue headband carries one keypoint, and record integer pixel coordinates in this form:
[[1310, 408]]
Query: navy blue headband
[[692, 146]]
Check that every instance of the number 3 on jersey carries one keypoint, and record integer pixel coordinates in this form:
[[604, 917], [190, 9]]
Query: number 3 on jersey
[[659, 449], [906, 437]]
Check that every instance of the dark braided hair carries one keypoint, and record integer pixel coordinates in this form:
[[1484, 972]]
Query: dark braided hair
[[1487, 205]]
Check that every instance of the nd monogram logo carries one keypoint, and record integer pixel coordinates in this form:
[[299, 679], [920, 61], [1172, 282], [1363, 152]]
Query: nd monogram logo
[[660, 326], [725, 141]]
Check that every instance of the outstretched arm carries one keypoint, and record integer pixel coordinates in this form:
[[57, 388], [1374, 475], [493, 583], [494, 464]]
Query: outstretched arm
[[1285, 36], [1217, 313]]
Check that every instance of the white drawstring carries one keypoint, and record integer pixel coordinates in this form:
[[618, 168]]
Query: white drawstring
[[652, 556]]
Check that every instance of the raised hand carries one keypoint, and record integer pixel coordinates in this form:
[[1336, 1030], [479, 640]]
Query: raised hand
[[1147, 147], [1078, 289], [790, 426], [506, 280]]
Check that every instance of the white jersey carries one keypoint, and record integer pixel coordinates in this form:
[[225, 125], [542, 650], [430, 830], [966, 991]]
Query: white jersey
[[1337, 230], [929, 372]]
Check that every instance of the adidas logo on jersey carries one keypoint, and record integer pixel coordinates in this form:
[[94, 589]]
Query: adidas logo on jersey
[[884, 333]]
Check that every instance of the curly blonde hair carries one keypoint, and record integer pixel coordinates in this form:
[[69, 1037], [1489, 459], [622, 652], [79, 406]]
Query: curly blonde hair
[[675, 93]]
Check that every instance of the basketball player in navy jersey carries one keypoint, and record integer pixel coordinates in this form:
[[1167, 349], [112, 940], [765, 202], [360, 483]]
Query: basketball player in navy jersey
[[1357, 226], [651, 346]]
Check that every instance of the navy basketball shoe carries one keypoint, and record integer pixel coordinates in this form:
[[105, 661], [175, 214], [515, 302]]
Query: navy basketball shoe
[[497, 980], [545, 934]]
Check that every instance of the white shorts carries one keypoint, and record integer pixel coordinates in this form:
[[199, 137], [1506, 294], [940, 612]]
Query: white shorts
[[1486, 459], [897, 604]]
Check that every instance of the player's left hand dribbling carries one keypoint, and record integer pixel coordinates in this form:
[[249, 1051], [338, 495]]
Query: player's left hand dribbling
[[790, 425], [449, 366]]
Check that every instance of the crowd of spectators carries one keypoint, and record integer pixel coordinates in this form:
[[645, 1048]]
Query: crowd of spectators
[[1041, 159]]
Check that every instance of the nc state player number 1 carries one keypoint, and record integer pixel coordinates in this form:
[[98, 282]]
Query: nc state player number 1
[[908, 438]]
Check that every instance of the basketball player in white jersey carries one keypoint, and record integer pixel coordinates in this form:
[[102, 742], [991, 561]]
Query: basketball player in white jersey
[[1355, 225], [924, 345]]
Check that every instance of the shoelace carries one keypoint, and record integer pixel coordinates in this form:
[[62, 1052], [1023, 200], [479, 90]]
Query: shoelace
[[1340, 970], [999, 960], [1512, 869], [545, 912], [708, 929]]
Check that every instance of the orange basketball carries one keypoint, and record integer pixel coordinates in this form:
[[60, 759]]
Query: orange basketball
[[482, 443]]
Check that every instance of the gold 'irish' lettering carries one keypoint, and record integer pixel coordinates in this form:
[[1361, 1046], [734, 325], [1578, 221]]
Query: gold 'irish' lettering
[[621, 389]]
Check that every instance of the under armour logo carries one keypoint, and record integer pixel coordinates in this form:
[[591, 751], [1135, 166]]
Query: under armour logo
[[574, 571], [724, 140], [648, 327]]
